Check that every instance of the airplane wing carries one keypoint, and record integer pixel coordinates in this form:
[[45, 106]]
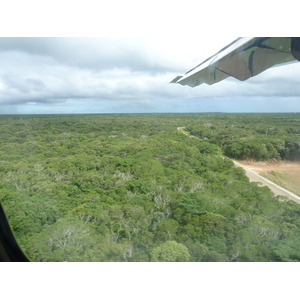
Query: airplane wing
[[243, 58], [9, 248]]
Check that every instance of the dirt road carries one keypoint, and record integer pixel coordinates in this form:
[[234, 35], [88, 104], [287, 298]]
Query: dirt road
[[254, 176], [276, 189]]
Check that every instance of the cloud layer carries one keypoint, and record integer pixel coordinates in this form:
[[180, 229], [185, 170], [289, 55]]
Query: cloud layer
[[103, 75]]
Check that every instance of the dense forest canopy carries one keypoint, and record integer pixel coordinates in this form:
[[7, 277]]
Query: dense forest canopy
[[252, 136], [131, 187]]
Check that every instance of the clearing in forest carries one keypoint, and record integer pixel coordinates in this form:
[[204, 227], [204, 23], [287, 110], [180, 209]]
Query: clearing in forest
[[283, 173]]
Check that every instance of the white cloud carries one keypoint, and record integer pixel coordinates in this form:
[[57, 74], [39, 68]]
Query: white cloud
[[128, 74]]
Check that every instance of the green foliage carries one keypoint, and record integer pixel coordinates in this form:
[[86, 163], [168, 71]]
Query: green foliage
[[170, 251], [292, 148], [134, 188], [252, 136]]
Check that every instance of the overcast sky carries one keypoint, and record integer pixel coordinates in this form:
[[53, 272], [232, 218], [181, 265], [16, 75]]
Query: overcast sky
[[132, 74]]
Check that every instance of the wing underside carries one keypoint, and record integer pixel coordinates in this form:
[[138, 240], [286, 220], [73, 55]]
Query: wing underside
[[242, 59]]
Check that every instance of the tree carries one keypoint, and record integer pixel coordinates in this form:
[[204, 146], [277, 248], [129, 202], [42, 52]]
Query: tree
[[292, 150], [170, 251]]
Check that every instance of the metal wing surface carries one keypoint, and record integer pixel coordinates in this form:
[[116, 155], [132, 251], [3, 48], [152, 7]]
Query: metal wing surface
[[243, 58]]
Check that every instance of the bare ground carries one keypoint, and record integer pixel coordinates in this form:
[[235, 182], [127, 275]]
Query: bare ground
[[272, 166], [282, 177]]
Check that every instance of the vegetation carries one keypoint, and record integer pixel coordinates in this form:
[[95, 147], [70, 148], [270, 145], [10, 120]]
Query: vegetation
[[134, 188], [252, 136]]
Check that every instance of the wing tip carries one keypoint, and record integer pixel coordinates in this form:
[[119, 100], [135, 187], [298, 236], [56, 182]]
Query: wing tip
[[176, 79]]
